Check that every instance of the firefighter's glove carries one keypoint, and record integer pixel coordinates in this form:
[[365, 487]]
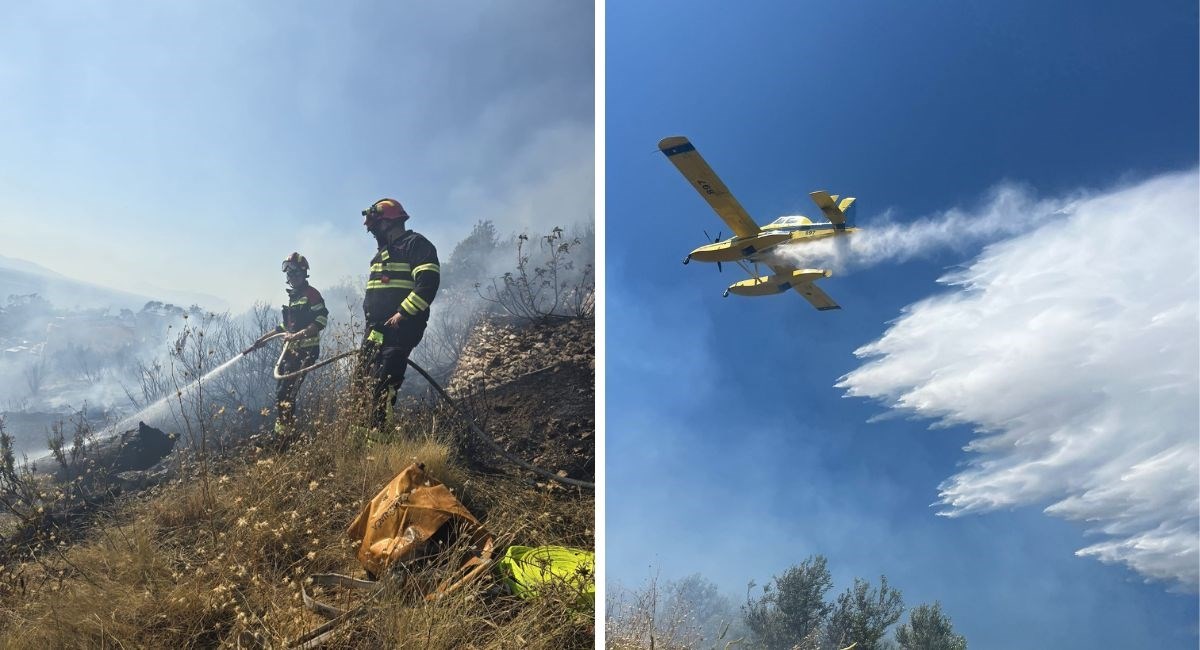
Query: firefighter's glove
[[373, 340]]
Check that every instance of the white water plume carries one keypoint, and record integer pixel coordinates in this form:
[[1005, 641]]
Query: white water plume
[[1073, 350], [1009, 209]]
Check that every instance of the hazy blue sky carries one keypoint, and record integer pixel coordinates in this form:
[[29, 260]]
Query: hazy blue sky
[[1039, 158], [193, 145]]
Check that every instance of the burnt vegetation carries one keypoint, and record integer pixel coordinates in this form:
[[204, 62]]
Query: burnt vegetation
[[210, 546]]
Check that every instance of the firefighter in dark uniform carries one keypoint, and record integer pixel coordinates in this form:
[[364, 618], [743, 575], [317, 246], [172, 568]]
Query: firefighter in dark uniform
[[403, 282], [304, 317]]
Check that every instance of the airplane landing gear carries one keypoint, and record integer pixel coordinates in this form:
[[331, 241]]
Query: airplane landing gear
[[687, 259], [726, 294]]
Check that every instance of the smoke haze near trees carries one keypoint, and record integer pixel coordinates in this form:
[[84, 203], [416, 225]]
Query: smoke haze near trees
[[109, 362]]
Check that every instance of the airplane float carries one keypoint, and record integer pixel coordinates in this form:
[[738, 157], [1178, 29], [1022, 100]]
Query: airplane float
[[752, 245]]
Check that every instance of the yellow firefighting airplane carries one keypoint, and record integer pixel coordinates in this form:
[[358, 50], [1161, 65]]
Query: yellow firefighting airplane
[[752, 245]]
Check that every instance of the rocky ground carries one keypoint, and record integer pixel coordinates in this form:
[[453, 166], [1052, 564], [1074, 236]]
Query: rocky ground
[[532, 389]]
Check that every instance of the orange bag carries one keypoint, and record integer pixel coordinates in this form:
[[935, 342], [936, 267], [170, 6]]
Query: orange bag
[[394, 528], [407, 512]]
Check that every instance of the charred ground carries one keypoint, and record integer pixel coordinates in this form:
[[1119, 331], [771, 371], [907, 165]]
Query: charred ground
[[214, 555], [531, 386]]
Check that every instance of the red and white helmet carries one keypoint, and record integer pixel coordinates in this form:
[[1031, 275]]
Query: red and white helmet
[[295, 263]]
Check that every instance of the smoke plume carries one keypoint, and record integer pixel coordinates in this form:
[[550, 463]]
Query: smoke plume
[[1009, 209]]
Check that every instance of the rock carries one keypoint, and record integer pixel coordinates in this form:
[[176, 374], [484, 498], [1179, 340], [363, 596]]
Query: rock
[[141, 449], [134, 450]]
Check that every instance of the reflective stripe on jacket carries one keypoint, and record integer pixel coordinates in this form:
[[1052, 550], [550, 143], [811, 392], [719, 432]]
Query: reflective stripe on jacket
[[404, 278], [304, 308]]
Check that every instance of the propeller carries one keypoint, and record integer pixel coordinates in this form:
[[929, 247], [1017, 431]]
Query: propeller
[[715, 240]]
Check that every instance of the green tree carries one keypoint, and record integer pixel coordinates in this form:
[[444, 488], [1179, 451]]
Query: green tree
[[472, 257], [928, 628], [792, 605], [710, 615], [863, 614]]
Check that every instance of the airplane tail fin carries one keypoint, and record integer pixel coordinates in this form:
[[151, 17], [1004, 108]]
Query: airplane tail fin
[[837, 213], [847, 208]]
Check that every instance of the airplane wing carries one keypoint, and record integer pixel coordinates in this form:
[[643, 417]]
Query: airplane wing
[[809, 290], [818, 298], [687, 160]]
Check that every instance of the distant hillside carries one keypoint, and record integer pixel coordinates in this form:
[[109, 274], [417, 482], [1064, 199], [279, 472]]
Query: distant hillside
[[21, 277]]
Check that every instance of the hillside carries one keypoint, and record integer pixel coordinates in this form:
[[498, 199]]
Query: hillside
[[535, 386], [216, 556], [22, 277]]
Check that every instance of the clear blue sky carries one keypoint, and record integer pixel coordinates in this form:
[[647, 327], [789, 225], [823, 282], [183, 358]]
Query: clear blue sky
[[731, 450], [193, 145]]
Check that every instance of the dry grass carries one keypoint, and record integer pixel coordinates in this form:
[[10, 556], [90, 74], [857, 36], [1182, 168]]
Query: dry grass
[[220, 562]]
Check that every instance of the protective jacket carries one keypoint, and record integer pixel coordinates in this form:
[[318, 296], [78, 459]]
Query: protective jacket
[[404, 278], [305, 307]]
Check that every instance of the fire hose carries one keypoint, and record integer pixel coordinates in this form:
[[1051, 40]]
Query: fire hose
[[483, 436]]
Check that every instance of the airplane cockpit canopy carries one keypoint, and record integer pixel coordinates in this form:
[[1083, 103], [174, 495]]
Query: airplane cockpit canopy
[[783, 222]]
